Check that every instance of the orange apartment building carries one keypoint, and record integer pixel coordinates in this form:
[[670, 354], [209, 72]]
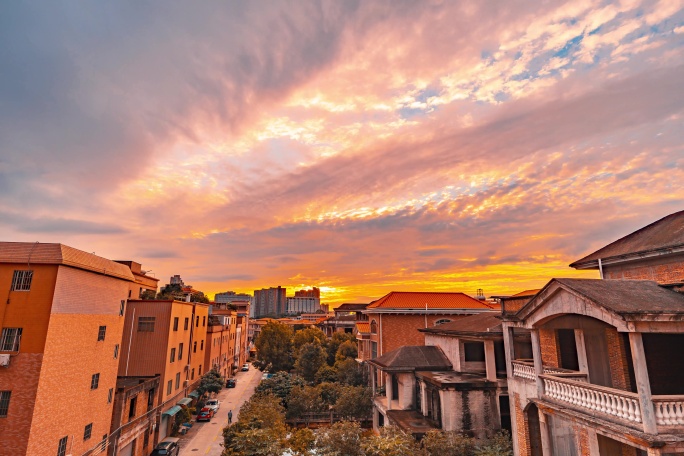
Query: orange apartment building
[[142, 282], [133, 419], [606, 371], [165, 338], [62, 317], [220, 351]]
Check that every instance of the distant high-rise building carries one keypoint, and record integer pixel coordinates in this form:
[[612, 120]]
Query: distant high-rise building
[[270, 301], [298, 305], [176, 280], [313, 293], [228, 297]]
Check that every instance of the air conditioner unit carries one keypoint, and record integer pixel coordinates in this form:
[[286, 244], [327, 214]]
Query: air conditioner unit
[[4, 360]]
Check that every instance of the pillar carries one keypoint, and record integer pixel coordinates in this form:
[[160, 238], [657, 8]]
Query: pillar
[[538, 366], [582, 353], [388, 390], [490, 360], [544, 431], [643, 385]]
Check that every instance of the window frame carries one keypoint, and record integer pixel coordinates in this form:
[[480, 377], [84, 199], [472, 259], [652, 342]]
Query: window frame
[[180, 351], [172, 357], [22, 279], [146, 324], [62, 446], [87, 431], [5, 398], [175, 323], [95, 381], [10, 339], [101, 333]]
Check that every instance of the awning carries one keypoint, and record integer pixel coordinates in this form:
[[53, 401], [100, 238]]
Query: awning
[[194, 394], [185, 401], [172, 411]]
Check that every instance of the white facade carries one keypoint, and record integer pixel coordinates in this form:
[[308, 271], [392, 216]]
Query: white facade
[[303, 305]]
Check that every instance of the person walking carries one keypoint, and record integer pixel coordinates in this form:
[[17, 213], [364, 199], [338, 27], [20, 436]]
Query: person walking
[[230, 416]]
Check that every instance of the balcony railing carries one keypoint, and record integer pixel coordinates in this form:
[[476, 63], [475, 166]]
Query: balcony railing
[[669, 410], [525, 369]]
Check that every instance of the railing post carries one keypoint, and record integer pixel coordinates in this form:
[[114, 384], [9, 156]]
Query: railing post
[[538, 366], [648, 417]]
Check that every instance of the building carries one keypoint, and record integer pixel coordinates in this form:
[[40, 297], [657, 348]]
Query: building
[[144, 286], [606, 375], [228, 297], [133, 419], [221, 343], [313, 293], [62, 316], [303, 304], [165, 338], [270, 302]]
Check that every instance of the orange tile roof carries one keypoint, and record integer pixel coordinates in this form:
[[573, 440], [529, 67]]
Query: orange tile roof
[[363, 327], [433, 300], [526, 293]]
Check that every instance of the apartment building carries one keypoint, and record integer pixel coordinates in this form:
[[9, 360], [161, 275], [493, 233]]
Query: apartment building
[[606, 374], [270, 302], [62, 316], [143, 285], [165, 338], [221, 343], [133, 418]]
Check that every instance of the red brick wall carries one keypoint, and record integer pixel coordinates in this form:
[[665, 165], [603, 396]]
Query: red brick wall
[[662, 270], [549, 347], [582, 441], [401, 330], [522, 429], [617, 358]]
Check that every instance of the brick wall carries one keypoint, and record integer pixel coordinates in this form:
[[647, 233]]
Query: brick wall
[[617, 358], [582, 437], [549, 347], [522, 429], [662, 270], [401, 330]]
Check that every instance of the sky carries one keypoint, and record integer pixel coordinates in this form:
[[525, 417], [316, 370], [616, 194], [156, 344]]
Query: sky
[[359, 146]]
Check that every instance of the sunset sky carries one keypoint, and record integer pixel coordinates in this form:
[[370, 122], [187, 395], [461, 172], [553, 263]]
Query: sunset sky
[[359, 146]]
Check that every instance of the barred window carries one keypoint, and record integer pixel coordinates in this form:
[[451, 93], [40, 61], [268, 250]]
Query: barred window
[[21, 280], [88, 431], [110, 395], [146, 324], [95, 381], [4, 403], [62, 446], [101, 333], [10, 339], [173, 355]]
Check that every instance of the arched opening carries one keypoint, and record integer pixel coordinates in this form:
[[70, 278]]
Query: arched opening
[[534, 430]]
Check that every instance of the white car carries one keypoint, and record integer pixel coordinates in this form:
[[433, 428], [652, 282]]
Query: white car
[[213, 404], [245, 367]]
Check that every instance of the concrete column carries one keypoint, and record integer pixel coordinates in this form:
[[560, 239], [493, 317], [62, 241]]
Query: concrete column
[[508, 349], [582, 353], [388, 390], [636, 343], [654, 451], [490, 360], [593, 442], [545, 435], [372, 376], [538, 366], [423, 399]]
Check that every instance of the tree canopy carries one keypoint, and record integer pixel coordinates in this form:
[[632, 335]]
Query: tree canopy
[[310, 359], [274, 347]]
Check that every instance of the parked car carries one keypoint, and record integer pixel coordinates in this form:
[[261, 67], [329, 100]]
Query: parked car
[[231, 382], [245, 367], [206, 414], [213, 404], [167, 447]]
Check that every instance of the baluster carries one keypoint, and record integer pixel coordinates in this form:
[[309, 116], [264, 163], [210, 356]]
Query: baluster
[[602, 407], [679, 413], [637, 411], [612, 409], [668, 413], [660, 419], [592, 399]]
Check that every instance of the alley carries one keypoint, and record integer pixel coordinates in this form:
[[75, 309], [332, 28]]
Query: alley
[[206, 437]]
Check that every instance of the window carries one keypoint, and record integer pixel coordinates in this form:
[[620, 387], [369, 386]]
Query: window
[[110, 395], [4, 403], [116, 351], [150, 399], [175, 323], [194, 347], [101, 333], [192, 374], [180, 351], [122, 307], [442, 321], [187, 322], [204, 321], [173, 355], [21, 280], [199, 372], [197, 322], [374, 327], [146, 324], [146, 439], [104, 442], [61, 447], [95, 381], [201, 344], [178, 380], [10, 339], [374, 350], [131, 408], [88, 431], [169, 387], [474, 351]]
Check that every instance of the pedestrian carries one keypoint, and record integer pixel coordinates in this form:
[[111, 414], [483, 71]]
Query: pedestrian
[[230, 416]]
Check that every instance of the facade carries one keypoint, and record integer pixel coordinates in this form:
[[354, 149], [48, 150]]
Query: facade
[[143, 285], [165, 338], [62, 318], [228, 297], [304, 304], [270, 302], [605, 375], [313, 293], [221, 343], [133, 420]]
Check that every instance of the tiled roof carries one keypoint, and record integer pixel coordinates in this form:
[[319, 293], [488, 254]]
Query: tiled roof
[[48, 253], [489, 323], [350, 307], [526, 293], [413, 357], [363, 327], [433, 300], [666, 233]]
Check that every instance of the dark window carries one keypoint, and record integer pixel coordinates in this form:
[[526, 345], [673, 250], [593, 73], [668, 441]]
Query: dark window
[[178, 380], [21, 280], [197, 322], [204, 321], [175, 323], [131, 407], [88, 431], [173, 355], [95, 381], [146, 324], [110, 395], [130, 292], [442, 321], [374, 350], [395, 388], [101, 333], [146, 439], [4, 403], [169, 387], [61, 447], [199, 372], [568, 349], [474, 351], [104, 442], [194, 347], [192, 374], [150, 399], [116, 351], [201, 345], [122, 307], [10, 339], [180, 351], [187, 322], [373, 327]]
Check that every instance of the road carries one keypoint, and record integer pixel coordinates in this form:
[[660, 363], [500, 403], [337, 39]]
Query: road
[[207, 439]]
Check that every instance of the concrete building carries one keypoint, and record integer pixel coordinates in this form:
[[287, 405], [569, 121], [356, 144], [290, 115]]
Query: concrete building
[[605, 375], [144, 285], [133, 419], [165, 338], [221, 343], [228, 297], [62, 317], [313, 293], [270, 302], [306, 304]]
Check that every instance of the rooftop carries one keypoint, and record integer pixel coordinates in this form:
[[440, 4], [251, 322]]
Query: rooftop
[[350, 307], [459, 380], [664, 234], [484, 323], [363, 327], [427, 299], [413, 358]]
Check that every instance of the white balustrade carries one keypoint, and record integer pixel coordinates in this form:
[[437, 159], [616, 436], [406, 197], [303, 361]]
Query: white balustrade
[[617, 403], [523, 369], [669, 410]]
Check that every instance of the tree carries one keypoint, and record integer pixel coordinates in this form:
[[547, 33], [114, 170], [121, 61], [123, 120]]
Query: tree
[[280, 386], [311, 357], [354, 402], [329, 392], [304, 400], [260, 429], [340, 439], [334, 343], [274, 346], [347, 349], [392, 441], [301, 441], [440, 443], [326, 374], [211, 382], [350, 372], [308, 336], [499, 445]]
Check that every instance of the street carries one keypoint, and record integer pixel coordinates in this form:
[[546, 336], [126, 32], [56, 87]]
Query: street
[[206, 437]]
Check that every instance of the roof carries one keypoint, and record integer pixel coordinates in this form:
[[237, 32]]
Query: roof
[[525, 293], [488, 323], [50, 253], [413, 357], [664, 234], [623, 297], [350, 307], [363, 327], [429, 299]]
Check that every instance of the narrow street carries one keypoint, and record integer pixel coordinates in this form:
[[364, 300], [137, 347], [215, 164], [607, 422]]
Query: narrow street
[[205, 438]]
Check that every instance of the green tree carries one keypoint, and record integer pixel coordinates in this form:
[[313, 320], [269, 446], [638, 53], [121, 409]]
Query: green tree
[[301, 441], [340, 439], [499, 445], [260, 429], [350, 372], [310, 359], [334, 343], [274, 346], [211, 382], [329, 392], [346, 350], [308, 336], [354, 402], [326, 374], [392, 441], [440, 443], [304, 400], [280, 386]]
